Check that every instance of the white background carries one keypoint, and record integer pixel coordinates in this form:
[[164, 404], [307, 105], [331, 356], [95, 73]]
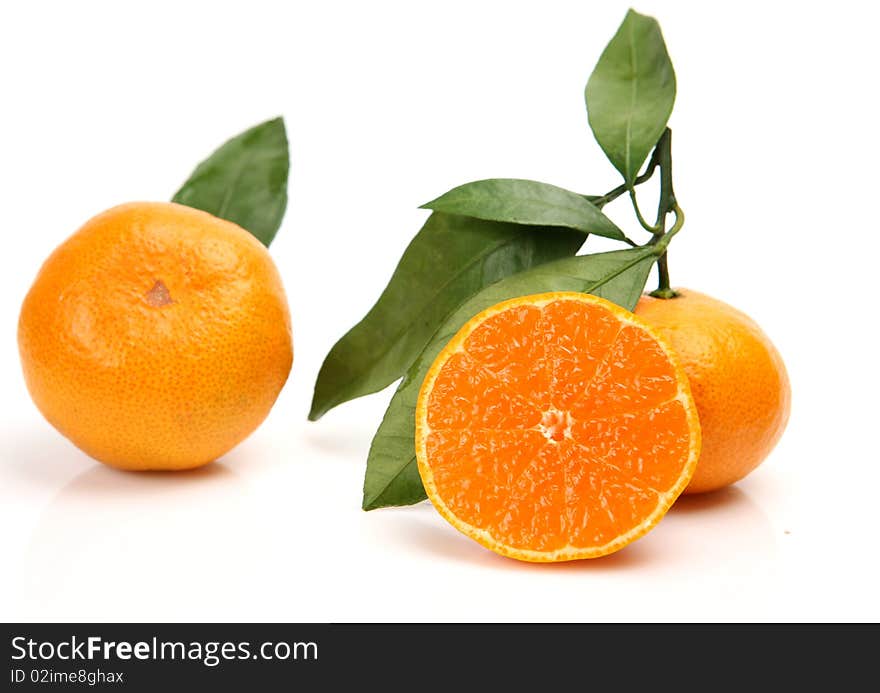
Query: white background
[[387, 106]]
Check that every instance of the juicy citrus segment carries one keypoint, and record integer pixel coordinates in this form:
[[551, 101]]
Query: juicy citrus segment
[[520, 359], [477, 398], [622, 501], [555, 427], [635, 374], [475, 469], [646, 446], [578, 336], [530, 516]]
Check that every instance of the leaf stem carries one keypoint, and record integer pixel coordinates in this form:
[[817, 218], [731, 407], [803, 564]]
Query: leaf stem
[[667, 194], [661, 158], [656, 230], [657, 245], [623, 187], [662, 242]]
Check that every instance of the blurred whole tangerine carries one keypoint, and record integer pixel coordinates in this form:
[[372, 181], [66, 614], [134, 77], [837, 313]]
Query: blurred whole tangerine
[[156, 337]]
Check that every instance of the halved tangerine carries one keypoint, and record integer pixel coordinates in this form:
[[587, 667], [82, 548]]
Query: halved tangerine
[[556, 427]]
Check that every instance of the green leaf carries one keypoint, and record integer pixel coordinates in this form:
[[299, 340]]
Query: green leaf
[[392, 476], [449, 260], [245, 181], [526, 202], [630, 94]]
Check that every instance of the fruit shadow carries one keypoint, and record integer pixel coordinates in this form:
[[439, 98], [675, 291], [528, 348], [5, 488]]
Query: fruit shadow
[[101, 480], [725, 498], [331, 444], [344, 434], [48, 460], [426, 532], [157, 526], [43, 458]]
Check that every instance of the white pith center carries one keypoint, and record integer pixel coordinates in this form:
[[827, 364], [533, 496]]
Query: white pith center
[[555, 425]]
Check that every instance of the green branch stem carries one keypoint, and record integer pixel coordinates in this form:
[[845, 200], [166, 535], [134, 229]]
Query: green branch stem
[[623, 187], [656, 230], [662, 242], [657, 245], [667, 195], [665, 205], [664, 289], [661, 158]]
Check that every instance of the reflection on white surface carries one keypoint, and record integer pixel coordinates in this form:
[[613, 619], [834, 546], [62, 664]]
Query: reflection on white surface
[[141, 536], [697, 523], [39, 458], [726, 530], [712, 556], [274, 531]]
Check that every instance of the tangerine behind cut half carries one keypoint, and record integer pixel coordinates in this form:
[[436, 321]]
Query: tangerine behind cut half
[[556, 427], [737, 377]]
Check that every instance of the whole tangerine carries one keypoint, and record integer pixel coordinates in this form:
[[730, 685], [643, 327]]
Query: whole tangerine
[[156, 337], [738, 380]]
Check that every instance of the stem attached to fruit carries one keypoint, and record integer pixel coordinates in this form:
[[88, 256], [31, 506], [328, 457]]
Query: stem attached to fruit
[[661, 158], [666, 205], [663, 289]]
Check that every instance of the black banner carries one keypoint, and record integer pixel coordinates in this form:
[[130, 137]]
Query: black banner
[[171, 657]]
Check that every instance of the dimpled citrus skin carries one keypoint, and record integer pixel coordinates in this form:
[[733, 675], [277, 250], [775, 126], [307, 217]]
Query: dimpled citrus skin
[[737, 378], [156, 337]]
